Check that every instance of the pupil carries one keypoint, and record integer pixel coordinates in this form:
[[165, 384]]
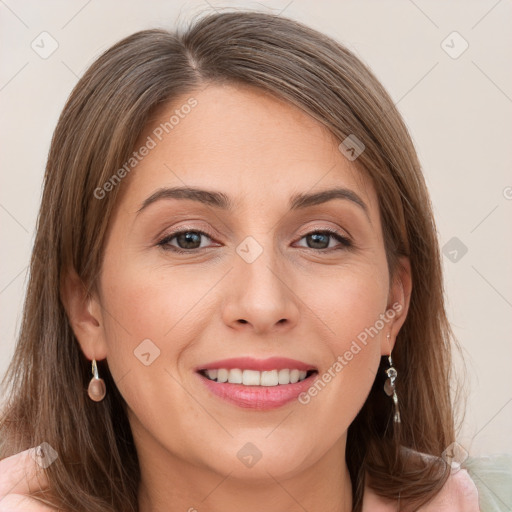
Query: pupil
[[317, 238], [188, 239]]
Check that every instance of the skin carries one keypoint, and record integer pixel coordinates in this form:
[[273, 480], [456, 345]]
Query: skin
[[211, 304], [21, 475]]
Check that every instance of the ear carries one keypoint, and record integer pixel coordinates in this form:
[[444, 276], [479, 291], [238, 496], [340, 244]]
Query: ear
[[85, 316], [398, 304]]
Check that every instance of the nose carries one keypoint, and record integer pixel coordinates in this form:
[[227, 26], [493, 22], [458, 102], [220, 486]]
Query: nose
[[261, 296]]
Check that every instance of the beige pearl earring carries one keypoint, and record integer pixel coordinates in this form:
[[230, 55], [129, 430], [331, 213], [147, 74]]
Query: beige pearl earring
[[97, 389]]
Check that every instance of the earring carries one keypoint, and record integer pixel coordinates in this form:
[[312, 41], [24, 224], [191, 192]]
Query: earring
[[97, 389], [389, 386]]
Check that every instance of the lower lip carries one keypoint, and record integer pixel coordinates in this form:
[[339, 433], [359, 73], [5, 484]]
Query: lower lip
[[258, 397]]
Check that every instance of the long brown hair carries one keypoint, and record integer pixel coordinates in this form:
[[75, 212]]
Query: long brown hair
[[97, 469]]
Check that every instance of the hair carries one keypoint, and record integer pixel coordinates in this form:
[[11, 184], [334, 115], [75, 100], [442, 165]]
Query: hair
[[97, 468]]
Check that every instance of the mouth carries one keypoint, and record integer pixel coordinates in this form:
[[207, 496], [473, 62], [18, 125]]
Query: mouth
[[247, 377], [257, 384]]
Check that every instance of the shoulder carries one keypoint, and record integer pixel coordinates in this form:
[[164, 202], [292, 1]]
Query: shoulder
[[459, 494]]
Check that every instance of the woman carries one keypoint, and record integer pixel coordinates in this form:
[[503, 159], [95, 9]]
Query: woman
[[236, 294]]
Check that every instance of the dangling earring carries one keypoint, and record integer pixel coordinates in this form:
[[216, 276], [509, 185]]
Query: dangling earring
[[97, 389], [389, 386]]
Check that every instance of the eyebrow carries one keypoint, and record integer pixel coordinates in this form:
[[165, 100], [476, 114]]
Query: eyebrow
[[224, 202]]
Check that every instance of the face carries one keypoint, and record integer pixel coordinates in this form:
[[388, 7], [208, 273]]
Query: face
[[248, 270]]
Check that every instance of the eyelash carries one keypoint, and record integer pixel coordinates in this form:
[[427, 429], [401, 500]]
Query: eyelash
[[346, 243]]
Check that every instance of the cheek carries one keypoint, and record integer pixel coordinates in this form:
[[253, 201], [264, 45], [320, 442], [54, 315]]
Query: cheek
[[152, 303], [353, 317], [152, 318], [147, 332], [350, 306]]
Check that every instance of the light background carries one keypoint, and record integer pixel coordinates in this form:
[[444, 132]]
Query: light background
[[458, 111]]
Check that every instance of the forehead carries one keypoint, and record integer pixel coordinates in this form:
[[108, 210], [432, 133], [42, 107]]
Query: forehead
[[245, 142]]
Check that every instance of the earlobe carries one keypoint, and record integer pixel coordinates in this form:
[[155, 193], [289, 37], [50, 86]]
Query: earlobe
[[84, 314], [398, 302]]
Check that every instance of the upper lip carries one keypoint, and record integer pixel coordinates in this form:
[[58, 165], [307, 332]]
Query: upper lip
[[249, 363]]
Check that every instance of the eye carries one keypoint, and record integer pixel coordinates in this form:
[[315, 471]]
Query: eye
[[320, 239], [187, 240]]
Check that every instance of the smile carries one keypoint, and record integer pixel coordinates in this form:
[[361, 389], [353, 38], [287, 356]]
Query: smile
[[257, 384], [256, 378]]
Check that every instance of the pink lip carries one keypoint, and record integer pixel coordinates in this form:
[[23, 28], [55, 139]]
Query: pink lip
[[249, 363], [258, 397]]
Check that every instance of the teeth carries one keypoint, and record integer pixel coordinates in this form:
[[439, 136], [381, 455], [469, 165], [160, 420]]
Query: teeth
[[255, 378], [284, 376], [222, 375], [269, 378], [251, 378], [235, 376], [212, 374]]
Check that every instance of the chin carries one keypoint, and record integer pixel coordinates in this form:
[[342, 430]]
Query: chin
[[263, 459]]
